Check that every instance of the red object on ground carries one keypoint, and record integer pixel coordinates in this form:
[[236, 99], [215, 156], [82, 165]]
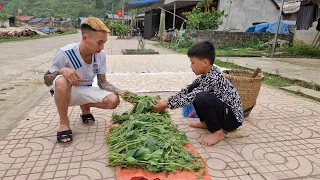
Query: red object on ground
[[139, 174], [0, 6]]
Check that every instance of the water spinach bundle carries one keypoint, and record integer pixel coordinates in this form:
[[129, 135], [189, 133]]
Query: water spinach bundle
[[149, 141]]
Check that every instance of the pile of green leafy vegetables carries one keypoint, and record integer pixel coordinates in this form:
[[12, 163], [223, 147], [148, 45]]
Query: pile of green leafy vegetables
[[149, 141]]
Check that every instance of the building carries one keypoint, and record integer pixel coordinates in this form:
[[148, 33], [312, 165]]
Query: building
[[24, 19], [244, 13], [174, 10]]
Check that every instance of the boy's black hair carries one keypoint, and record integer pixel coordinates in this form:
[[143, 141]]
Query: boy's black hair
[[85, 28], [203, 50]]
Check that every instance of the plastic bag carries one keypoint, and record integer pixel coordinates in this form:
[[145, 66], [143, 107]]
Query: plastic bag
[[189, 111]]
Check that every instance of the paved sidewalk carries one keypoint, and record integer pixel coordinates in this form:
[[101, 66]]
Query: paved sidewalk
[[296, 68], [284, 141]]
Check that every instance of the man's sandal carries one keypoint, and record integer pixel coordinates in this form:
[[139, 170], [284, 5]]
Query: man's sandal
[[64, 135], [87, 119]]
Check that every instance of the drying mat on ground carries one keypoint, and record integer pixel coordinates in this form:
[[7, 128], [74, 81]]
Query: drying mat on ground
[[138, 174]]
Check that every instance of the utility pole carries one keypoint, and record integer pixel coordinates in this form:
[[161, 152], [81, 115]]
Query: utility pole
[[122, 11], [277, 30], [112, 18]]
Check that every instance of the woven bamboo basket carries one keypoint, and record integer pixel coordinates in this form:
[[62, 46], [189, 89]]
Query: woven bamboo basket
[[247, 87]]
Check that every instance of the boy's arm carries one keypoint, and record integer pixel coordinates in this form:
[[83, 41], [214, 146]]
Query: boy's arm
[[181, 100], [189, 88]]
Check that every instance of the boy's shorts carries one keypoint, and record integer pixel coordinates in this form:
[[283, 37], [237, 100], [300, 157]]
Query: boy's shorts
[[81, 95]]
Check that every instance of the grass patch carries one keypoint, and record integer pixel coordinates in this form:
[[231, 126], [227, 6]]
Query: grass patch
[[269, 79], [251, 49], [240, 51], [15, 39], [302, 50], [219, 51]]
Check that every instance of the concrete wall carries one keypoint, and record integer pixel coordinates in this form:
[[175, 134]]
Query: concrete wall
[[4, 23], [242, 13], [224, 39], [306, 36]]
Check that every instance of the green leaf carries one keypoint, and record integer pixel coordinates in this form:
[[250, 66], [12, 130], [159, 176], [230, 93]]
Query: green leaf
[[157, 154], [131, 152], [131, 159], [153, 162], [142, 153], [151, 144]]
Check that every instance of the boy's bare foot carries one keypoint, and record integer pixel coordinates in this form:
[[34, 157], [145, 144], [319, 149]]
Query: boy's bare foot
[[198, 125], [213, 138]]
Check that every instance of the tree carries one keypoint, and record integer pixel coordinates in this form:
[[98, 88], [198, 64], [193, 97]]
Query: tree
[[59, 8], [202, 17]]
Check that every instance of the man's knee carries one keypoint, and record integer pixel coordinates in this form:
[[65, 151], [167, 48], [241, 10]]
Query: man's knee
[[111, 101], [201, 98], [62, 84]]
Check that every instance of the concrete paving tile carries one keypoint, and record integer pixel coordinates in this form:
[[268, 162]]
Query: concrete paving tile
[[283, 144], [73, 172], [35, 176], [10, 178], [47, 175]]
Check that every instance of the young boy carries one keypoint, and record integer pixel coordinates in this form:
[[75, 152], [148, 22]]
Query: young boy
[[215, 99]]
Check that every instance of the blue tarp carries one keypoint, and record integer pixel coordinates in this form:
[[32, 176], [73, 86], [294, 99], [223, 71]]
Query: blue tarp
[[46, 30], [271, 27], [141, 2], [34, 20]]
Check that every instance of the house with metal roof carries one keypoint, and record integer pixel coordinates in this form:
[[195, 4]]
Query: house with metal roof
[[174, 10], [24, 19]]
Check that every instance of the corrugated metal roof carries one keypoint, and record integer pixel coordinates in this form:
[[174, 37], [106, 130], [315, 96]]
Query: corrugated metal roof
[[34, 20], [24, 18], [141, 2]]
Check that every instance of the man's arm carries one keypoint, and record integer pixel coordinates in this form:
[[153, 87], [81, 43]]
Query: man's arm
[[49, 77], [104, 84]]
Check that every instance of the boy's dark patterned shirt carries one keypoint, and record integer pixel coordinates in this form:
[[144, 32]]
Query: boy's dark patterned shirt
[[215, 83]]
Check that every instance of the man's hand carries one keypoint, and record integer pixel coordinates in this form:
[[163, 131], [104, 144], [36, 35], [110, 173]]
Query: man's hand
[[160, 106], [121, 94], [71, 75]]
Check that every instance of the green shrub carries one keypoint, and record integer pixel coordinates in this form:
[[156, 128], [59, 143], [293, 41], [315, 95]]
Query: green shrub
[[186, 42], [199, 20], [70, 31], [302, 50], [120, 29], [4, 17]]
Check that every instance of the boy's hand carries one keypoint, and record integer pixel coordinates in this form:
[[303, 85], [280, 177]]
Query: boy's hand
[[160, 106]]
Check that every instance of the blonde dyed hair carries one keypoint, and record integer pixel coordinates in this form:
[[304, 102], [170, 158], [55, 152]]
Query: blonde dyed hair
[[96, 24]]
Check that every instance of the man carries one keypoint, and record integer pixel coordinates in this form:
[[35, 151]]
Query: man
[[72, 72]]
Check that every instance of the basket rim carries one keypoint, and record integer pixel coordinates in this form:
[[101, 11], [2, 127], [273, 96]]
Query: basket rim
[[259, 76]]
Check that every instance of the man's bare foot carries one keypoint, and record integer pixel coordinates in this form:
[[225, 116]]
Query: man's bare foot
[[213, 138], [198, 125]]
